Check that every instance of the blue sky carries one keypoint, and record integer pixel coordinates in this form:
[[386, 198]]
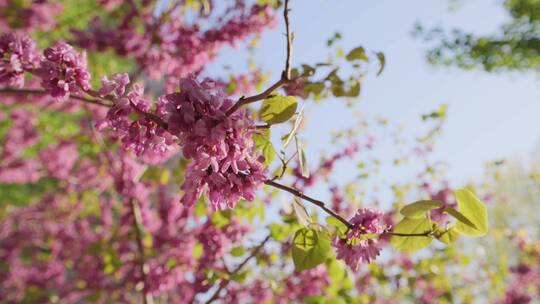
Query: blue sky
[[491, 116]]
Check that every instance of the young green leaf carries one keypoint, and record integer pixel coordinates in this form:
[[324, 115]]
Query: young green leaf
[[357, 54], [382, 62], [419, 209], [412, 226], [338, 225], [238, 251], [447, 236], [297, 122], [263, 143], [278, 109], [310, 248], [302, 159], [474, 210], [301, 212], [460, 217]]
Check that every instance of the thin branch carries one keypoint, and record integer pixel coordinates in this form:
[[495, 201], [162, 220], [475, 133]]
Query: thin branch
[[224, 283], [95, 101], [301, 195], [43, 92], [246, 100], [143, 267], [287, 70], [285, 75], [427, 233], [322, 205], [150, 116]]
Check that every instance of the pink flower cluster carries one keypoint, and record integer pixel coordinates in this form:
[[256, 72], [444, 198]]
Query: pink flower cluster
[[59, 159], [142, 135], [361, 244], [63, 71], [18, 54], [220, 145], [21, 135], [33, 15], [304, 284], [170, 46]]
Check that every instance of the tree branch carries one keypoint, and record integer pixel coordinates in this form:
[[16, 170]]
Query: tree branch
[[95, 101], [43, 92], [143, 267], [301, 195], [285, 75], [322, 205], [427, 233], [287, 70], [224, 283]]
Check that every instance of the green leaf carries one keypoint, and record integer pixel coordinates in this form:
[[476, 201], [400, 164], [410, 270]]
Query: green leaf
[[197, 250], [310, 248], [340, 227], [301, 212], [297, 122], [411, 226], [474, 210], [200, 208], [263, 143], [357, 54], [460, 217], [238, 251], [280, 232], [382, 62], [239, 276], [221, 218], [302, 159], [447, 236], [278, 109], [419, 209]]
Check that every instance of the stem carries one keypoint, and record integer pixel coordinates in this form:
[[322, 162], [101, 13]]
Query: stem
[[246, 100], [287, 70], [427, 233], [322, 205], [150, 116], [143, 267], [43, 92], [301, 195], [95, 101], [224, 283], [285, 75]]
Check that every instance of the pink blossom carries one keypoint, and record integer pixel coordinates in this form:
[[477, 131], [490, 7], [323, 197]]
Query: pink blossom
[[357, 247], [21, 135], [18, 54], [143, 135], [221, 146], [20, 172], [304, 284], [63, 71], [58, 160]]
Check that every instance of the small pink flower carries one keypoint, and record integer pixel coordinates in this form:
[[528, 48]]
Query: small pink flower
[[63, 71], [18, 54], [357, 247]]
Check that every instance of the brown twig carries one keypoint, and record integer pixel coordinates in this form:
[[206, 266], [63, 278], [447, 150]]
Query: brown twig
[[143, 267], [301, 195], [224, 283], [95, 101], [285, 75], [287, 70], [156, 119], [43, 92], [322, 205], [427, 233]]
